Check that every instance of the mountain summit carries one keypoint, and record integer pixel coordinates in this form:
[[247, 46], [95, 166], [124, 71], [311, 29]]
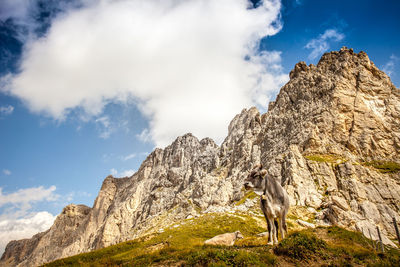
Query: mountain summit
[[332, 137]]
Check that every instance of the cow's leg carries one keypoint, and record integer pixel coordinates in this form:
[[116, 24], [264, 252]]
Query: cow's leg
[[271, 231], [284, 225], [274, 231], [276, 227], [270, 223], [281, 226]]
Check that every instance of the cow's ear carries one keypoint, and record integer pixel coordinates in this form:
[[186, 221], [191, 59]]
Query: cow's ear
[[263, 173]]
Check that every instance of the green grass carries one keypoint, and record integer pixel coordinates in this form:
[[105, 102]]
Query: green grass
[[249, 195], [183, 246], [301, 246], [349, 237], [223, 256], [383, 166], [334, 246], [351, 245], [380, 165], [327, 158]]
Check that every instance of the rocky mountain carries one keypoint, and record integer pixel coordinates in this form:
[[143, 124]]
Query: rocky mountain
[[332, 137]]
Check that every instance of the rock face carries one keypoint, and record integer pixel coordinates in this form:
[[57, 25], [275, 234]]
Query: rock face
[[326, 137]]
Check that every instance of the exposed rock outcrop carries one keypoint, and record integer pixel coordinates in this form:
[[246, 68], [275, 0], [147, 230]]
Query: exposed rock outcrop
[[325, 137]]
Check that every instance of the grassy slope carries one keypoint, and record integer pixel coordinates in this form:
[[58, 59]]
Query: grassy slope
[[182, 245], [379, 165]]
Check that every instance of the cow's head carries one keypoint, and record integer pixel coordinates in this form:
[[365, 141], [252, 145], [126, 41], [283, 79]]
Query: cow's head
[[255, 179]]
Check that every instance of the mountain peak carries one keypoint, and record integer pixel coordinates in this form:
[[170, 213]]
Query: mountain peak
[[345, 100]]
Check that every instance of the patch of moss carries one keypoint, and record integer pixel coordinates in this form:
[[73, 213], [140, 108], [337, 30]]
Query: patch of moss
[[290, 224], [224, 256], [98, 257], [390, 258], [249, 195], [353, 248], [350, 247], [328, 158], [252, 241], [343, 235], [383, 166], [334, 246], [301, 246]]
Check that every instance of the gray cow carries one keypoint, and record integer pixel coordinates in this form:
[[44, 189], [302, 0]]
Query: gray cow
[[274, 201]]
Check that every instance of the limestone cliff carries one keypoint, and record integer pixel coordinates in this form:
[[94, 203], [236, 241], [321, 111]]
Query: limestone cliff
[[332, 137]]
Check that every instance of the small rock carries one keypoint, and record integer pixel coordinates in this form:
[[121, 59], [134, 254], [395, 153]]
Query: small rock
[[340, 202], [262, 234], [312, 210], [305, 224], [227, 239], [313, 201]]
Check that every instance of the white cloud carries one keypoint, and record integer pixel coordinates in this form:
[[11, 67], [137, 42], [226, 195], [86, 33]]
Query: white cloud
[[6, 172], [144, 136], [18, 204], [69, 197], [124, 173], [128, 157], [127, 173], [6, 110], [299, 2], [14, 8], [17, 221], [28, 195], [114, 172], [321, 44], [190, 65], [72, 195], [271, 70], [14, 229], [389, 67], [104, 127]]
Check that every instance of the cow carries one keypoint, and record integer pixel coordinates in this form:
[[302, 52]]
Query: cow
[[273, 199]]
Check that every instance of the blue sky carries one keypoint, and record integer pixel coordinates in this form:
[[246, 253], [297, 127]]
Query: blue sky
[[85, 92], [370, 26]]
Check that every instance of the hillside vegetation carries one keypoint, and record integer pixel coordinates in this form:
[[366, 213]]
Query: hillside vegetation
[[182, 245]]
